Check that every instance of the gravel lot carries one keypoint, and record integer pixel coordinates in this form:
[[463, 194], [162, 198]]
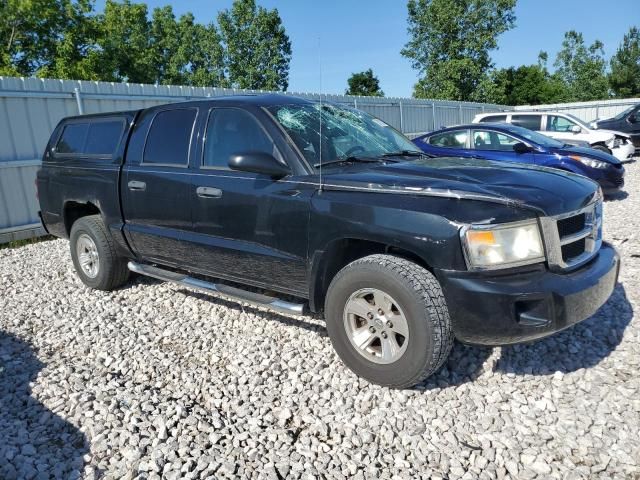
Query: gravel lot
[[155, 381]]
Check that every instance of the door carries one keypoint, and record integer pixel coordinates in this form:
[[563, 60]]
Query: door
[[156, 185], [560, 128], [493, 145], [633, 126], [247, 227]]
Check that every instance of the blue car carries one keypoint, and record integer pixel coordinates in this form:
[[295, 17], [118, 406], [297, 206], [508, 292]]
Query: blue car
[[510, 143]]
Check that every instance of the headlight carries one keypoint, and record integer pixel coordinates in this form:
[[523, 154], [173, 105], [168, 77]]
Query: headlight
[[502, 246], [589, 162]]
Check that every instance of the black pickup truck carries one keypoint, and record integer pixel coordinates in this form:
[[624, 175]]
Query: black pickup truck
[[292, 205]]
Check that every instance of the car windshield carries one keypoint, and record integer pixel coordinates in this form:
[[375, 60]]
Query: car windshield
[[535, 137], [340, 133], [624, 113], [578, 121]]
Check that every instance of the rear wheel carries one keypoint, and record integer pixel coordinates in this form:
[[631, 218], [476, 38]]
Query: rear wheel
[[388, 320], [94, 255]]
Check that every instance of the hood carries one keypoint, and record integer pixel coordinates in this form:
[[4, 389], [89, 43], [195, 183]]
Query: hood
[[586, 152], [547, 191], [614, 133]]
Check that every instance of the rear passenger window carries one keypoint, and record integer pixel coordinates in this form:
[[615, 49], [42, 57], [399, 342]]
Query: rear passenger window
[[169, 137], [455, 139], [532, 122], [494, 119], [103, 137], [73, 138], [231, 131]]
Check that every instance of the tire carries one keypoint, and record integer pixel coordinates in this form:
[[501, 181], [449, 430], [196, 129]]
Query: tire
[[105, 270], [602, 148], [413, 293]]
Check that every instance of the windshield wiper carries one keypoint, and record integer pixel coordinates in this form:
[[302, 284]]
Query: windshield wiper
[[349, 159], [405, 153]]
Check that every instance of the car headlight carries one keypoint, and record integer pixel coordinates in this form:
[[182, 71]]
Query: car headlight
[[589, 162], [502, 246]]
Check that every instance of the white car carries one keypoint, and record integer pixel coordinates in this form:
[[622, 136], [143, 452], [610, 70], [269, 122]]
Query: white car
[[566, 128]]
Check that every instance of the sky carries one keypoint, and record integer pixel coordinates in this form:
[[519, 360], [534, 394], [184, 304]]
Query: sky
[[340, 37]]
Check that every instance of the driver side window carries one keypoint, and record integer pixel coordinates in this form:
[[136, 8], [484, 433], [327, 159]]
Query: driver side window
[[231, 131], [558, 124]]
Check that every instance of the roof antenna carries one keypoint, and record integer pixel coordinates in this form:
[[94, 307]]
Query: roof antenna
[[320, 115]]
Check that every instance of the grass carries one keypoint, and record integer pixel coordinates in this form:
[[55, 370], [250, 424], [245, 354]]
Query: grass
[[25, 242]]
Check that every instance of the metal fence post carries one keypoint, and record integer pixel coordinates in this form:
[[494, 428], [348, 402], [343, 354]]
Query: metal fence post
[[460, 113], [355, 103], [433, 114], [79, 100], [401, 119]]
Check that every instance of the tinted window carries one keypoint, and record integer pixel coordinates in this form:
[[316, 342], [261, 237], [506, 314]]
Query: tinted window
[[169, 137], [72, 138], [558, 124], [103, 137], [494, 119], [455, 139], [532, 122], [231, 131], [489, 140]]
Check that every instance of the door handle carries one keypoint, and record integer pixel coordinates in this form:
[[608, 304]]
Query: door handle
[[208, 192], [136, 185]]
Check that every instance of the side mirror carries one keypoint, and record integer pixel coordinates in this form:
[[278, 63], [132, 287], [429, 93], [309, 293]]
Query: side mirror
[[258, 162], [575, 129], [633, 118], [521, 148]]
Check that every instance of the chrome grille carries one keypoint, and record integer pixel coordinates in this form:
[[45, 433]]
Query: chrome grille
[[572, 239]]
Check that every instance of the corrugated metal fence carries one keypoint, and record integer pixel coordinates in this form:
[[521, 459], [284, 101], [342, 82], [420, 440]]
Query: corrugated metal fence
[[587, 111], [30, 108]]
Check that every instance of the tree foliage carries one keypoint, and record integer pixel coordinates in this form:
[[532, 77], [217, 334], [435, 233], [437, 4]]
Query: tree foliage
[[450, 41], [523, 85], [624, 78], [365, 84], [257, 51], [125, 42], [582, 69]]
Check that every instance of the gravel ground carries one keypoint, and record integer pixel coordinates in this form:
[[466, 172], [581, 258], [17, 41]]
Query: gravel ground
[[154, 381]]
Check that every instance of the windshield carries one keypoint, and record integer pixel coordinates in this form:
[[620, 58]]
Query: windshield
[[535, 137], [578, 121], [346, 132], [624, 113]]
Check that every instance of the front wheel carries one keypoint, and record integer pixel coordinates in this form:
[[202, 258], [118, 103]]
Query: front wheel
[[388, 320], [601, 148]]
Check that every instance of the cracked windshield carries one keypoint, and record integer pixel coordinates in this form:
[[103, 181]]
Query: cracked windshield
[[345, 134]]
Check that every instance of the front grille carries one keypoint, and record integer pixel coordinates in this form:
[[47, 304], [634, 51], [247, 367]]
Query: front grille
[[618, 182], [573, 239], [573, 250], [617, 142], [571, 225]]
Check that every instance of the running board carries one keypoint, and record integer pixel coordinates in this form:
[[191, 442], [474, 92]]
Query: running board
[[220, 290]]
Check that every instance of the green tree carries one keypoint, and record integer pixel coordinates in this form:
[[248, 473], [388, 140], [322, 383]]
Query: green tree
[[624, 78], [450, 41], [523, 85], [364, 83], [31, 33], [257, 50], [582, 68]]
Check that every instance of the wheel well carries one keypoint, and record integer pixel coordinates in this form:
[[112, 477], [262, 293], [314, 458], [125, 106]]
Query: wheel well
[[75, 210], [344, 251]]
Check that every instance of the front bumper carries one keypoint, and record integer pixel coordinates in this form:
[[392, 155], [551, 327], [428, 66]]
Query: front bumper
[[611, 180], [623, 152], [493, 309]]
